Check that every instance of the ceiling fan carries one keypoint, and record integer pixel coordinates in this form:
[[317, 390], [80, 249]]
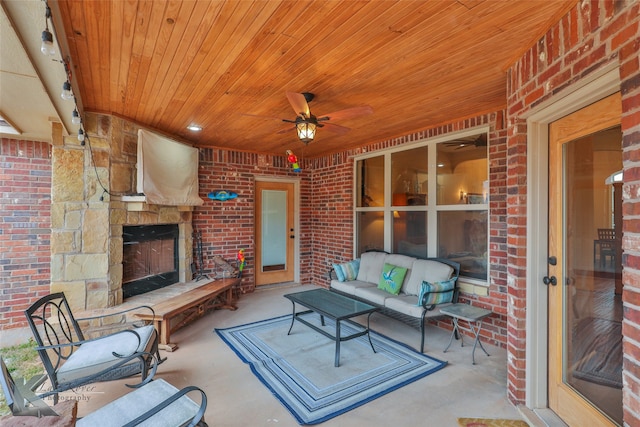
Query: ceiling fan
[[480, 141], [307, 123]]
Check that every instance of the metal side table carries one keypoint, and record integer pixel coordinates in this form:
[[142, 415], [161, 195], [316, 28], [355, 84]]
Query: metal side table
[[473, 316]]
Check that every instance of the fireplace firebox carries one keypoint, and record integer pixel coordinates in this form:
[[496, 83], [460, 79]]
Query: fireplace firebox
[[150, 258]]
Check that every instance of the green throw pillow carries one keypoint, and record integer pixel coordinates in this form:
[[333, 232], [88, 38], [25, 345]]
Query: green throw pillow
[[347, 271], [437, 292], [392, 278]]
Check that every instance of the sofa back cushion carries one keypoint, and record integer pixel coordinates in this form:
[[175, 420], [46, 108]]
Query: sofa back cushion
[[426, 270], [371, 264], [401, 261]]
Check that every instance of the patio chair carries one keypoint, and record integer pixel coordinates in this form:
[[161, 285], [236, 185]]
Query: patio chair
[[71, 360], [157, 403]]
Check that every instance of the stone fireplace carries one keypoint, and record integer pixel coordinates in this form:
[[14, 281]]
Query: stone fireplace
[[87, 244]]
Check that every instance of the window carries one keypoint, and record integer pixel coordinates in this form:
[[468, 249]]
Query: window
[[430, 199]]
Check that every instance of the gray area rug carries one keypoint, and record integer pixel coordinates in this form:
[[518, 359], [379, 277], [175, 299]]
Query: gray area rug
[[299, 368]]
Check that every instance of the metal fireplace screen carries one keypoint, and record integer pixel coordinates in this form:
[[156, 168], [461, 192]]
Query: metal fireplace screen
[[150, 258]]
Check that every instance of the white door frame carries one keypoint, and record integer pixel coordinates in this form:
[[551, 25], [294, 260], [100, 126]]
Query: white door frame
[[296, 214], [602, 83]]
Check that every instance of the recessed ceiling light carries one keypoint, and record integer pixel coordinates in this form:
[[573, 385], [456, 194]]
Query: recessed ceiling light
[[194, 128]]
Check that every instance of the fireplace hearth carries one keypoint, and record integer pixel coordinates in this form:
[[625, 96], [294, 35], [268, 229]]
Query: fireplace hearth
[[150, 258]]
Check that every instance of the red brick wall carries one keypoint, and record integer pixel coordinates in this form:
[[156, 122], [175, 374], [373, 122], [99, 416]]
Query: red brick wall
[[332, 214], [591, 35], [229, 226], [326, 217], [25, 227]]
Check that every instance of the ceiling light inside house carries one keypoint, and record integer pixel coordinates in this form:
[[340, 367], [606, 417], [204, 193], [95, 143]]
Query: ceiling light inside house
[[194, 128]]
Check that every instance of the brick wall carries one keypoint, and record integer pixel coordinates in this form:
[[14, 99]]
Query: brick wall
[[226, 227], [331, 211], [590, 36], [25, 227]]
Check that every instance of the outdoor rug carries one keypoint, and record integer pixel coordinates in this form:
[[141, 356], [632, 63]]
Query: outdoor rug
[[490, 422], [598, 351], [299, 368]]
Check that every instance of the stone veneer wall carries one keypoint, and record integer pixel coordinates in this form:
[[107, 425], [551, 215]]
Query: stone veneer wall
[[87, 213]]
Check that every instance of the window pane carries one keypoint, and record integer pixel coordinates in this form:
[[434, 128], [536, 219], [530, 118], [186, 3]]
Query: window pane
[[370, 182], [370, 231], [410, 233], [462, 171], [462, 237], [409, 174]]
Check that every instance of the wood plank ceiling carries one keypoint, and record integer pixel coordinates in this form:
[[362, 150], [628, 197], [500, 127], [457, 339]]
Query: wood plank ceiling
[[168, 64]]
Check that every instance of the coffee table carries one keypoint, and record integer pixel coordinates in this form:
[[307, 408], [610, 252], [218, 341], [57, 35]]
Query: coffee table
[[337, 307]]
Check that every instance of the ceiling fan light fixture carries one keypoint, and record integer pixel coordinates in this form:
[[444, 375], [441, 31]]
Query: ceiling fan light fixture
[[306, 129]]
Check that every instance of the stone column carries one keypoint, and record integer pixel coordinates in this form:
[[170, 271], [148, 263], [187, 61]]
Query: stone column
[[79, 221]]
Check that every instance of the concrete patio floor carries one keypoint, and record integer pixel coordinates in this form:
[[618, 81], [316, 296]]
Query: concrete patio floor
[[237, 398]]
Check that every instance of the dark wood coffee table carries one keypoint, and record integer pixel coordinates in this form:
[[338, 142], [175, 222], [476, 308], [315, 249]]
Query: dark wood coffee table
[[337, 307]]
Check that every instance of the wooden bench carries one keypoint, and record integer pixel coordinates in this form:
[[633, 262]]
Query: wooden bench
[[191, 305]]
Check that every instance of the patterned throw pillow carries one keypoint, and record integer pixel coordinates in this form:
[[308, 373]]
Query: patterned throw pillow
[[392, 278], [347, 271], [437, 292]]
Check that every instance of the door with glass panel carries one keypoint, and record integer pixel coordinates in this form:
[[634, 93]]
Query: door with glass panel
[[275, 232], [584, 273]]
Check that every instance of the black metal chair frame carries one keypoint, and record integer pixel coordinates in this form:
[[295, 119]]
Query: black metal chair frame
[[62, 336], [23, 402]]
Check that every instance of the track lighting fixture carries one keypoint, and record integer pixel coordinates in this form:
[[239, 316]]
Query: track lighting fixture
[[47, 47]]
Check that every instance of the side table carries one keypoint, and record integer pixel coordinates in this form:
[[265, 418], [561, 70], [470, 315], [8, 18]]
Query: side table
[[473, 316]]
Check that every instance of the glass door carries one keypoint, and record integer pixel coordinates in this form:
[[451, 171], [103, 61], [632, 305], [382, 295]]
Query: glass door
[[585, 301], [275, 233]]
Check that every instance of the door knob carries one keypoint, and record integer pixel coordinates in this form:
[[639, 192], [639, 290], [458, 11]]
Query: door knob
[[550, 280]]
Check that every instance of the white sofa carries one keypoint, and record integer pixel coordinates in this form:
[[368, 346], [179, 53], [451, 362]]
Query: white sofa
[[405, 305]]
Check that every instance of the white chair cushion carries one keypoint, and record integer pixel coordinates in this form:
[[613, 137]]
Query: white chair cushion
[[133, 404], [95, 356], [429, 270]]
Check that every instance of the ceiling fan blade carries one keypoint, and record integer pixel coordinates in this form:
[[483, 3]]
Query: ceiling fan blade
[[299, 103], [287, 129], [348, 113], [332, 127], [262, 117]]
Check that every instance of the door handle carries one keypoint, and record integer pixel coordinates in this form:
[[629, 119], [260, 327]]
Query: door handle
[[292, 236], [550, 280]]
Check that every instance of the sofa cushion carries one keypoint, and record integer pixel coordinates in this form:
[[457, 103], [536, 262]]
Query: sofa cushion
[[349, 288], [392, 278], [437, 292], [373, 295], [347, 271], [371, 264], [426, 270], [401, 261], [407, 304]]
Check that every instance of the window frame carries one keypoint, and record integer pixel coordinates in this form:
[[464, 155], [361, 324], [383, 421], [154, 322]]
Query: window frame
[[431, 208]]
